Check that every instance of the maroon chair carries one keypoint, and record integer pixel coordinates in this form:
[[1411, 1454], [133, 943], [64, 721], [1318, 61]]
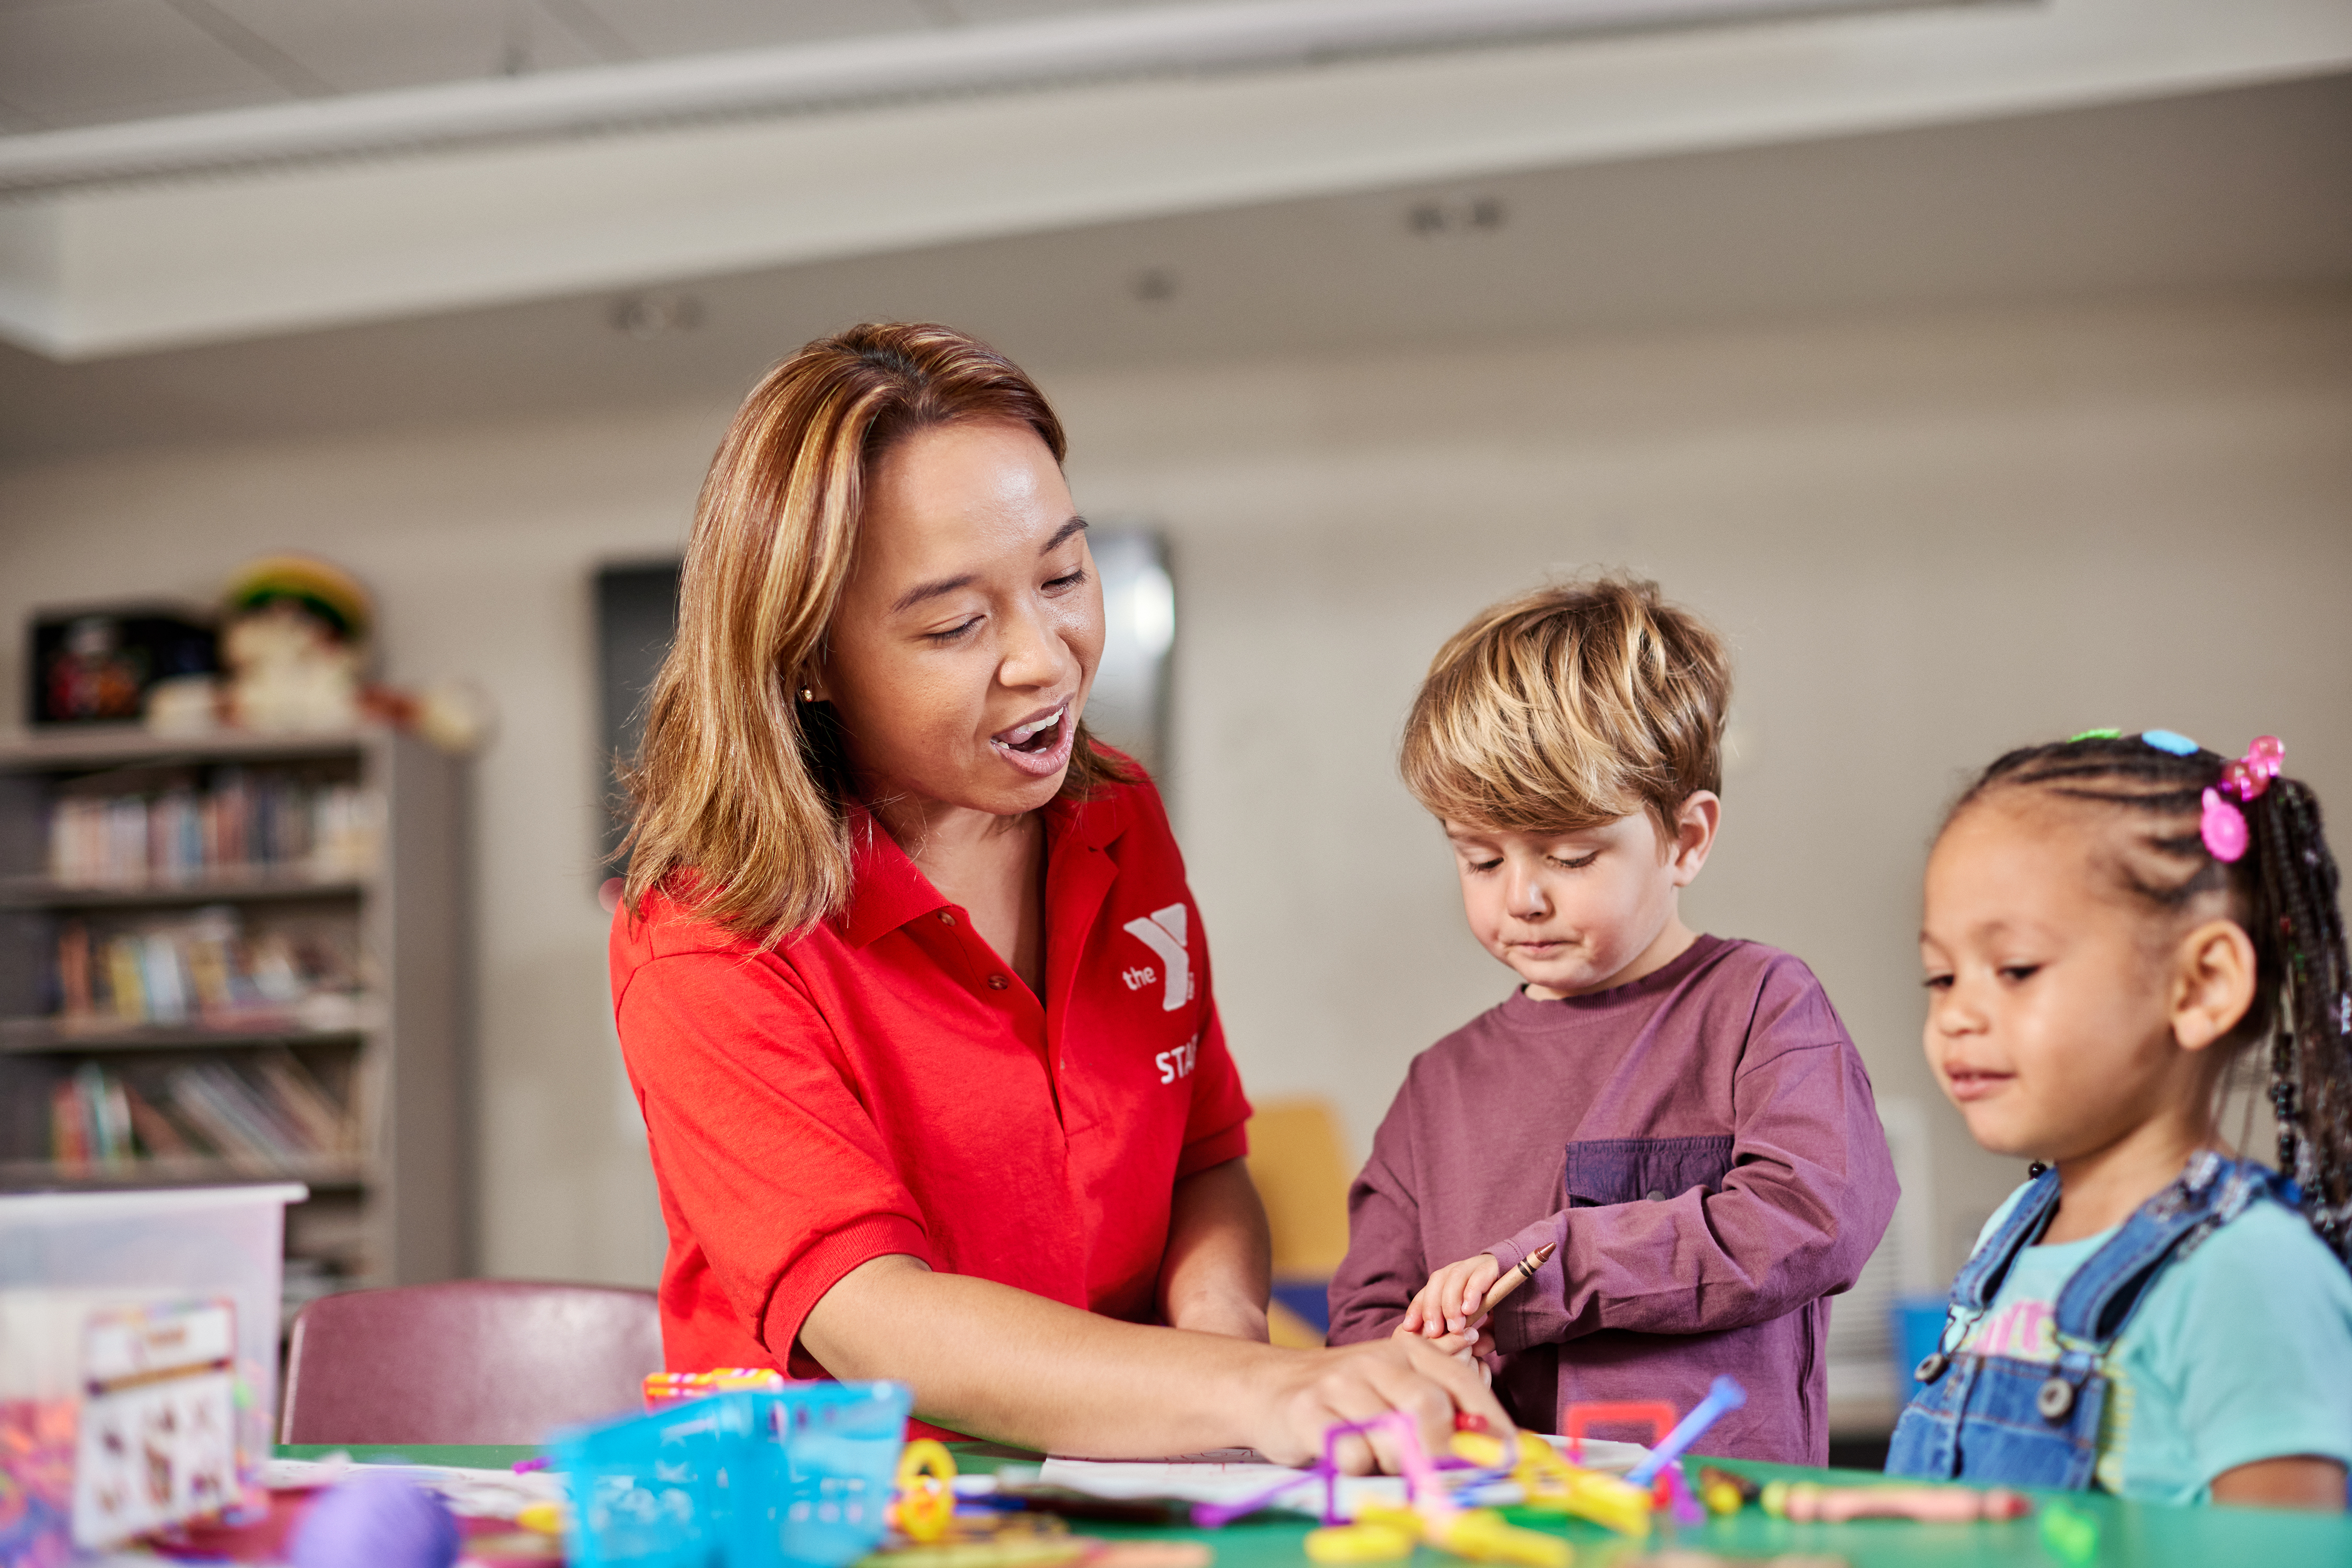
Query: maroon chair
[[473, 1361]]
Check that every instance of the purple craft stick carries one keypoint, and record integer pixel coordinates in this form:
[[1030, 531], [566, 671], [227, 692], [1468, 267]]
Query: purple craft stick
[[1723, 1397]]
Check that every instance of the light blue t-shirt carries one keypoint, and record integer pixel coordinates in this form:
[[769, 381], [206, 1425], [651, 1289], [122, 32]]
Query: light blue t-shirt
[[2240, 1351]]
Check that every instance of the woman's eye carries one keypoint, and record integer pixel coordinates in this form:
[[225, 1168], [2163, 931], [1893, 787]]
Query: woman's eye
[[1063, 584], [1939, 983], [953, 633], [2014, 972]]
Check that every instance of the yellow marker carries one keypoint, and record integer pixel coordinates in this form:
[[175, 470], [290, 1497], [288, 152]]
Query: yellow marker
[[926, 1509], [1358, 1543], [1482, 1534]]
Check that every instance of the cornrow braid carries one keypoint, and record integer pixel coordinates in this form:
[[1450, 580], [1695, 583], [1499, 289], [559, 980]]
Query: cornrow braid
[[2283, 891]]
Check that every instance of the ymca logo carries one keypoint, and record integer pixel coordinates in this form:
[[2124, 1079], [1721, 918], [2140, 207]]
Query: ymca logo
[[1162, 931]]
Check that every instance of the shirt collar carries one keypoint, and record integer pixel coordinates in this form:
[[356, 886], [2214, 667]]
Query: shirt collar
[[886, 888]]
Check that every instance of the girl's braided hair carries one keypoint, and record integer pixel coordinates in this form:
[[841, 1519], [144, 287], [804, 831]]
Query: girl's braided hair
[[2283, 891]]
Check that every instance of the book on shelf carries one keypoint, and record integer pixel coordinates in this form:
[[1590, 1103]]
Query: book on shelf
[[204, 970], [263, 1120], [246, 822]]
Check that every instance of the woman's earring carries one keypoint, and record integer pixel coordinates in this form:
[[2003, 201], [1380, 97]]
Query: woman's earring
[[807, 695]]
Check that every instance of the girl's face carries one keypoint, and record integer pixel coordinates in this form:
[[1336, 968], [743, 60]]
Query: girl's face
[[968, 634], [2050, 1008]]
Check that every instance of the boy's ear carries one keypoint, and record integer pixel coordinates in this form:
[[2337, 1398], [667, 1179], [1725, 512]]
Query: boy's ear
[[1695, 823], [2213, 977]]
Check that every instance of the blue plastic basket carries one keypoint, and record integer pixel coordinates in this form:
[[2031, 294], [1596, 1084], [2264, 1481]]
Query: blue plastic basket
[[739, 1480], [1918, 1323]]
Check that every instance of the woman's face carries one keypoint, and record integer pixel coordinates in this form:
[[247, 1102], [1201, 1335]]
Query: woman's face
[[968, 634]]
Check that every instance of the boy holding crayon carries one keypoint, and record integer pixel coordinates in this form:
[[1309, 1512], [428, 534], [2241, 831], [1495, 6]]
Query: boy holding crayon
[[1674, 1129]]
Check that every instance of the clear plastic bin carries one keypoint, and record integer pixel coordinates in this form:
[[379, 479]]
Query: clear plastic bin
[[800, 1477], [138, 1331]]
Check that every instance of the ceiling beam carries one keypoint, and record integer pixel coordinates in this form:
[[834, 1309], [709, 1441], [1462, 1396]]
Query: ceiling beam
[[102, 271]]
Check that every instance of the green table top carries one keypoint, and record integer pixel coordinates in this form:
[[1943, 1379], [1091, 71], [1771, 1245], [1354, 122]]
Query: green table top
[[2130, 1533]]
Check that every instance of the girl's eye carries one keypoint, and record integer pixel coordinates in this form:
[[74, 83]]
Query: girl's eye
[[1939, 983], [953, 633], [2014, 972]]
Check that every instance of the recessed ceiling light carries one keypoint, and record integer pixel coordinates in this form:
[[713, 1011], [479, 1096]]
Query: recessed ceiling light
[[1154, 286], [1456, 215], [657, 315]]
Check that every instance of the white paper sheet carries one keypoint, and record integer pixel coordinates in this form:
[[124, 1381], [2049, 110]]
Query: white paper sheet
[[1218, 1479], [477, 1494]]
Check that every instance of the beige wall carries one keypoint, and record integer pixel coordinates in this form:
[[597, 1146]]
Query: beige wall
[[1928, 537]]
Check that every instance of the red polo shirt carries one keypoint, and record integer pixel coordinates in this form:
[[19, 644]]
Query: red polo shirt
[[884, 1083]]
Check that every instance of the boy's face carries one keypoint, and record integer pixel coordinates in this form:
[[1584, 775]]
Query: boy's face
[[1583, 910]]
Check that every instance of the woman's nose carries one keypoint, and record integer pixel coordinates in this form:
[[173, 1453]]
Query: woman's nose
[[1031, 655]]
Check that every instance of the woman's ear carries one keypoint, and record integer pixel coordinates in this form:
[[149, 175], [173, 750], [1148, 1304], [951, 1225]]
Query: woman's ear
[[2213, 983], [1695, 823]]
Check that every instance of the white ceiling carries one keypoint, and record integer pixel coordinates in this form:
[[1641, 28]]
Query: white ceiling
[[2247, 189], [66, 63], [141, 261]]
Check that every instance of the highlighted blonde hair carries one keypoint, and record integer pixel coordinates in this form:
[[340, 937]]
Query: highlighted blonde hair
[[739, 782], [1569, 707]]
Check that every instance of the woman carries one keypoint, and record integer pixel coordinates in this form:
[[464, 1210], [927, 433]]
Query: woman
[[911, 989]]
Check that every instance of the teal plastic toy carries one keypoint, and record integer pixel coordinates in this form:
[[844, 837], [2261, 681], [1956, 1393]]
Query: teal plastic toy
[[800, 1479]]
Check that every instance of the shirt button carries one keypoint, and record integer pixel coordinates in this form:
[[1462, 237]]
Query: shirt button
[[946, 918], [1654, 1195], [997, 982]]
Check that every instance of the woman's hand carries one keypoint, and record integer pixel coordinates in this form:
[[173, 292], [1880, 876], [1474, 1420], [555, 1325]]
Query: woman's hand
[[1454, 1301], [1320, 1389]]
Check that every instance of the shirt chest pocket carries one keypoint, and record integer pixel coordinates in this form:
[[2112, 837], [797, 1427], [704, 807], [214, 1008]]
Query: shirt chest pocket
[[1604, 1170]]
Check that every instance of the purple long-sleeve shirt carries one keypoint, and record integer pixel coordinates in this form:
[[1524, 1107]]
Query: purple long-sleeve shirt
[[1702, 1146]]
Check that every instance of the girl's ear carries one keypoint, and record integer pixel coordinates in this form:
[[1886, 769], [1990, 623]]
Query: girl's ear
[[2213, 983]]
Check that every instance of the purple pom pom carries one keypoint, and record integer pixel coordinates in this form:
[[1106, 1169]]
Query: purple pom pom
[[376, 1518]]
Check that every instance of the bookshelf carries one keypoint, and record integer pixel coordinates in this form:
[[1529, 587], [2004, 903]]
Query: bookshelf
[[239, 957]]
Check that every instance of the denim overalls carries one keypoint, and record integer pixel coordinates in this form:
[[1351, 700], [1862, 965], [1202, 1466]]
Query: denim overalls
[[2000, 1419]]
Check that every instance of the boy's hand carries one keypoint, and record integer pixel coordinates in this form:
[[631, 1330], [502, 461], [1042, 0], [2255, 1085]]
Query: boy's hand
[[1455, 1300]]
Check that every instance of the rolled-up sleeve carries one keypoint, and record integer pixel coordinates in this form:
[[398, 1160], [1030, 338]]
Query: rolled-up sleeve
[[757, 1136]]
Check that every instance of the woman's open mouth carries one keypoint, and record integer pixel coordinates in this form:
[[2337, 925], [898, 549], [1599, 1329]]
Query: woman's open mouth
[[1039, 745]]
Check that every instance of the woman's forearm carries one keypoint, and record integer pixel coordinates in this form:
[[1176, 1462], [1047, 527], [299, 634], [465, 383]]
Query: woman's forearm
[[1215, 1274], [1000, 1363]]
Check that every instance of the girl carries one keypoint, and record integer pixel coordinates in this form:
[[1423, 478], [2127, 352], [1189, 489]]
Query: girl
[[2109, 922]]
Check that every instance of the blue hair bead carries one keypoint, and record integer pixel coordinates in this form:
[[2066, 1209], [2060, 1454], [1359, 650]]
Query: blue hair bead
[[376, 1518], [2171, 741]]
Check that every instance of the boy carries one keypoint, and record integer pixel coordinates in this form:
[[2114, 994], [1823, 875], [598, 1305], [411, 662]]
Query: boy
[[1681, 1116]]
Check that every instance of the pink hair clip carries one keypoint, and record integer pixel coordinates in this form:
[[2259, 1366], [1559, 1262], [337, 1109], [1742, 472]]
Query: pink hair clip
[[2222, 825]]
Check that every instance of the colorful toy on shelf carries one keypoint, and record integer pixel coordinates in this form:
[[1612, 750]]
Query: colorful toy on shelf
[[294, 639]]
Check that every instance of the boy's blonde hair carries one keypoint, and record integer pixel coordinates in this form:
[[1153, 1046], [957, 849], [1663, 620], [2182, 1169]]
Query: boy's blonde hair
[[1569, 707]]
